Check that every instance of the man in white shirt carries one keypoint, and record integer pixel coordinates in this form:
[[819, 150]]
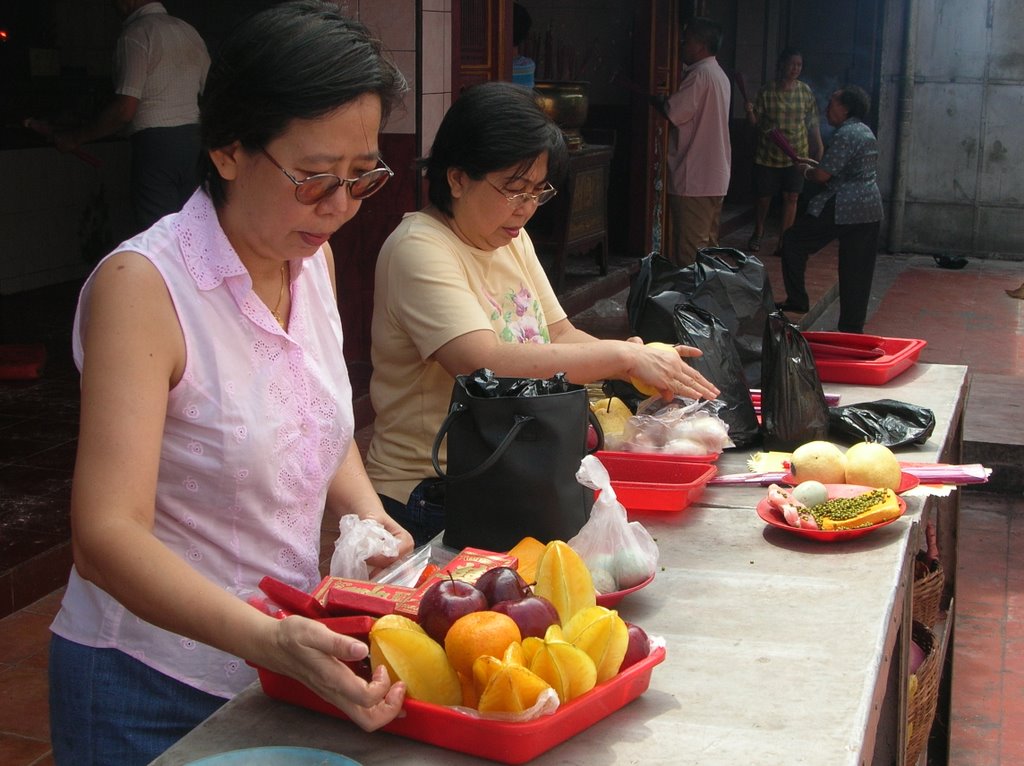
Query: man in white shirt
[[160, 67]]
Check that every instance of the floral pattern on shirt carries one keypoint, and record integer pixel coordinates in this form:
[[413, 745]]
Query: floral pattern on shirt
[[518, 317]]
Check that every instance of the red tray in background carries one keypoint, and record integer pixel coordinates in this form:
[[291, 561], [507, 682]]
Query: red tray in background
[[502, 741], [644, 483], [900, 354]]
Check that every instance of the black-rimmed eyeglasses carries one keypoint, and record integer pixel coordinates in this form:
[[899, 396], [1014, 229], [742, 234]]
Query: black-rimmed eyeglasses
[[312, 190], [520, 199]]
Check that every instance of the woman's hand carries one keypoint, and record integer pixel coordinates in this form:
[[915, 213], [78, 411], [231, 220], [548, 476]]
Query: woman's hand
[[669, 374], [405, 544], [314, 654]]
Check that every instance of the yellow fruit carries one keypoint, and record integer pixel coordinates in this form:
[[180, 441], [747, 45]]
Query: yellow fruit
[[612, 414], [512, 689], [603, 635], [414, 657], [566, 668], [873, 465], [476, 634], [396, 620], [643, 388], [819, 461], [528, 552], [564, 580]]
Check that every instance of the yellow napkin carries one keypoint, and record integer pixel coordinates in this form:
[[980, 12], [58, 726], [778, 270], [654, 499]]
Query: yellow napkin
[[769, 462]]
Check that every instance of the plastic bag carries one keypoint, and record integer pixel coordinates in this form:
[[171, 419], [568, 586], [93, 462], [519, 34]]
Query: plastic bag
[[887, 421], [720, 363], [619, 553], [679, 427], [793, 406], [359, 540]]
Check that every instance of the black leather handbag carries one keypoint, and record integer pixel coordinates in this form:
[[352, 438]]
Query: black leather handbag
[[514, 447]]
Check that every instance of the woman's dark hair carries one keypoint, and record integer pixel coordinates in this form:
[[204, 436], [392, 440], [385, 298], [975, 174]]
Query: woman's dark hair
[[296, 60], [856, 101], [492, 126]]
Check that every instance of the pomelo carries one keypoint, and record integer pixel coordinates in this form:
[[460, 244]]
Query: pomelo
[[873, 465], [819, 461]]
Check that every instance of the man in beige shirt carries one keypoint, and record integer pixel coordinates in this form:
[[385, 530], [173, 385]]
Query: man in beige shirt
[[699, 154]]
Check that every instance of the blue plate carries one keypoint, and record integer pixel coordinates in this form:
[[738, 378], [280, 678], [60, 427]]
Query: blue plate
[[276, 756]]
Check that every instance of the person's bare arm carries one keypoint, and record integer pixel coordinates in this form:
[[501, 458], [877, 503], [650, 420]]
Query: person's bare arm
[[582, 358]]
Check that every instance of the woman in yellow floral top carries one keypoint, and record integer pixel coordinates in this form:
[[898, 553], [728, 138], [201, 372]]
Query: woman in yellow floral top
[[788, 104], [459, 287]]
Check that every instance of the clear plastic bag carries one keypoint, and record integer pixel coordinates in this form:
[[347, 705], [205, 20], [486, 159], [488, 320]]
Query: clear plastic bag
[[359, 540], [619, 553], [679, 427]]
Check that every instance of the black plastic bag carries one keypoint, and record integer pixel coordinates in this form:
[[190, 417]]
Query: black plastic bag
[[793, 406], [721, 365], [887, 421], [730, 284]]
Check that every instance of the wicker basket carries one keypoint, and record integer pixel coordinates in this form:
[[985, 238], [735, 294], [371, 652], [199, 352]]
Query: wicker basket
[[927, 591], [921, 707]]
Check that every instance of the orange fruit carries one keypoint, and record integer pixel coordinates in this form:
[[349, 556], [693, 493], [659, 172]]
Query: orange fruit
[[476, 634]]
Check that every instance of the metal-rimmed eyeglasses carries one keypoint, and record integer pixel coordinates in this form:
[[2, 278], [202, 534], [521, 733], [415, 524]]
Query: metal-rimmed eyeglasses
[[520, 199], [313, 189]]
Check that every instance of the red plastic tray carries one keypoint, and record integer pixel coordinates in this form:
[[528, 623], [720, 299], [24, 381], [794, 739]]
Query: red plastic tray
[[899, 355], [709, 458], [648, 484], [501, 741]]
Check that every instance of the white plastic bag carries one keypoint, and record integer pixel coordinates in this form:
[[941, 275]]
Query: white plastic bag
[[359, 540], [679, 427], [619, 553]]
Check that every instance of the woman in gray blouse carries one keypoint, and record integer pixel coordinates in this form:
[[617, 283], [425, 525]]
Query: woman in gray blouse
[[849, 209]]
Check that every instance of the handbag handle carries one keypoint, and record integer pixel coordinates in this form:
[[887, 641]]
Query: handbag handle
[[457, 409]]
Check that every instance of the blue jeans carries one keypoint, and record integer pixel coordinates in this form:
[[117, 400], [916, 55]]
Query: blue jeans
[[107, 708], [422, 515]]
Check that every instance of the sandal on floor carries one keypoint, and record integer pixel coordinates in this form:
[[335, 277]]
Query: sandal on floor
[[754, 243]]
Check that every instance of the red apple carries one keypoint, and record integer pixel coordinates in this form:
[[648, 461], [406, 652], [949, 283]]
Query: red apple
[[446, 601], [639, 646], [533, 614], [591, 438], [502, 584]]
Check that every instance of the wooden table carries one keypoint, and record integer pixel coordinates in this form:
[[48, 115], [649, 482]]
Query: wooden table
[[781, 650]]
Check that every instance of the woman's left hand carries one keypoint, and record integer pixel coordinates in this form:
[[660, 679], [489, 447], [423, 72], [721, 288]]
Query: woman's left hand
[[313, 654], [405, 544]]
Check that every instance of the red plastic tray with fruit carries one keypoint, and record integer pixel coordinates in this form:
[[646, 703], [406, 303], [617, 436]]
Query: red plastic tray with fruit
[[500, 647]]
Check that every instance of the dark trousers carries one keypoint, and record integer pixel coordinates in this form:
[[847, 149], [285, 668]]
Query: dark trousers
[[858, 245], [165, 171]]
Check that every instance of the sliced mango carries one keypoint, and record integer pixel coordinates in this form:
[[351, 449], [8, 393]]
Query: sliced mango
[[528, 551]]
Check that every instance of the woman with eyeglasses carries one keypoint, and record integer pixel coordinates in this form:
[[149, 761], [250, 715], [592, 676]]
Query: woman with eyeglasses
[[459, 287], [217, 420]]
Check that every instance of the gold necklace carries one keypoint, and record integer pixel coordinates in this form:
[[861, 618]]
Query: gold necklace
[[280, 296]]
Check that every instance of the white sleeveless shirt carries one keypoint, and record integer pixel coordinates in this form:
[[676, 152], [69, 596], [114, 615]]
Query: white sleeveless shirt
[[255, 430]]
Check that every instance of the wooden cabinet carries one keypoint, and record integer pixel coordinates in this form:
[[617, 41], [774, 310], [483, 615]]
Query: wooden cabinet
[[576, 220]]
